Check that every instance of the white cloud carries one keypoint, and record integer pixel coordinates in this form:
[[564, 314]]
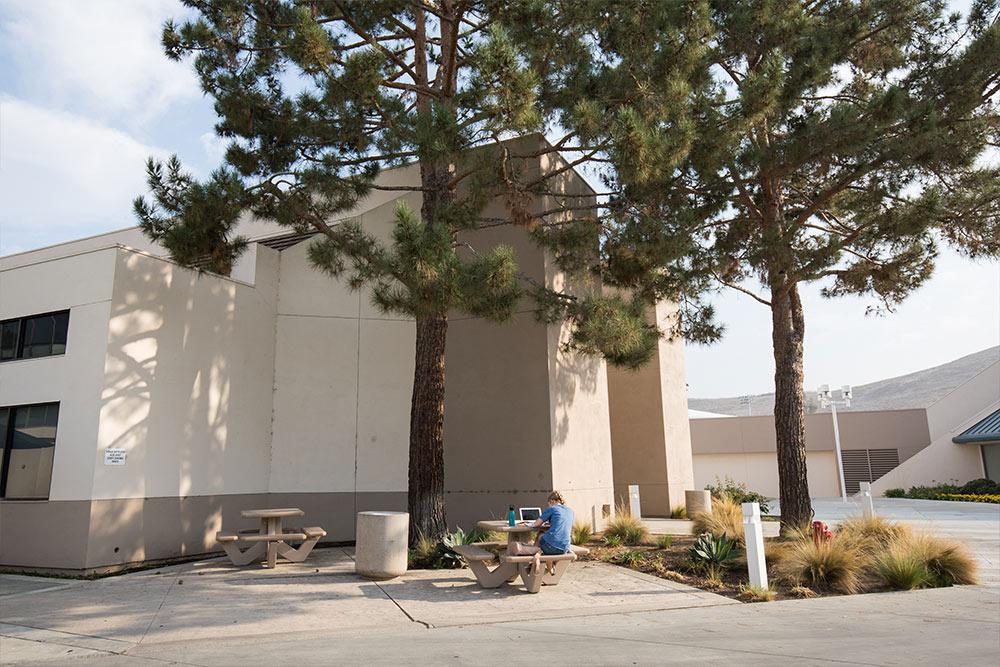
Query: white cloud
[[214, 146], [63, 176], [101, 56]]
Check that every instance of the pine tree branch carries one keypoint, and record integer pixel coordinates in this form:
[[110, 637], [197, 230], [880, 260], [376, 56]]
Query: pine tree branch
[[374, 42], [740, 289]]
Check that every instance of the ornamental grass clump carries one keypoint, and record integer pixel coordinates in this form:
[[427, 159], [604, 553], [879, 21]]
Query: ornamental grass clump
[[752, 593], [664, 541], [725, 519], [872, 535], [947, 562], [581, 533], [901, 568], [627, 528], [832, 565]]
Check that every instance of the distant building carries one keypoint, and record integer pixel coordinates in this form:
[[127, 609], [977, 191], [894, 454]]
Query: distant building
[[889, 448]]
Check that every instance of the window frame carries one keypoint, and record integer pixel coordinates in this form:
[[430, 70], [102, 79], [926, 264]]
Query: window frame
[[22, 323], [7, 442]]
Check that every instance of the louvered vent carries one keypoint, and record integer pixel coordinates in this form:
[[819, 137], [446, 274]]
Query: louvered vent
[[867, 465]]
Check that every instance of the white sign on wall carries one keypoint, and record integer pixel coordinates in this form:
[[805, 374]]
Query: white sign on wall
[[114, 456]]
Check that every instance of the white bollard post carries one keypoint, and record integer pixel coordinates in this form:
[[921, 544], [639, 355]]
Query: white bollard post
[[593, 518], [753, 533], [633, 501], [867, 504]]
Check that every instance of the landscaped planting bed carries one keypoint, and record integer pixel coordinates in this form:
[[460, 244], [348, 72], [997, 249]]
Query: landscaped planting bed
[[860, 556], [976, 491]]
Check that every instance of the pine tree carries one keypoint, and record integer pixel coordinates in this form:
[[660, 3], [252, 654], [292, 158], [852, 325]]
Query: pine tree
[[826, 140], [384, 82]]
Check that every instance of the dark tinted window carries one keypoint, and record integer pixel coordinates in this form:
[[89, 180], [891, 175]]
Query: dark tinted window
[[35, 336], [45, 335], [8, 339], [29, 446]]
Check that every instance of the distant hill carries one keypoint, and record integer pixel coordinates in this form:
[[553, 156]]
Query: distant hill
[[913, 390]]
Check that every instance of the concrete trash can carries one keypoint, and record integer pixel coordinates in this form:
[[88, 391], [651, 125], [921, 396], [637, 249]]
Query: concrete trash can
[[382, 539], [697, 501]]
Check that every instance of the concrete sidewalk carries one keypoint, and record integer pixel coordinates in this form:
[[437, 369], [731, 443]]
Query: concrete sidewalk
[[934, 627], [210, 599]]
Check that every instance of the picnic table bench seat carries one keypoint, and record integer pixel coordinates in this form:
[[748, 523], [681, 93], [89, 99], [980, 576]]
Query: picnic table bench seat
[[268, 544], [473, 552]]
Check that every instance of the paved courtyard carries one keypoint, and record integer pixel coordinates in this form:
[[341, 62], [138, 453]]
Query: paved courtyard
[[319, 612]]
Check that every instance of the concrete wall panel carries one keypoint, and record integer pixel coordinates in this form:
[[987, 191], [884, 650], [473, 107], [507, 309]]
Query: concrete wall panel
[[385, 387], [183, 393], [315, 405], [759, 471]]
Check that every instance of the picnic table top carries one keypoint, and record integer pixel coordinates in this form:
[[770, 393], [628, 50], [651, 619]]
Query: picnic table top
[[272, 513], [504, 527]]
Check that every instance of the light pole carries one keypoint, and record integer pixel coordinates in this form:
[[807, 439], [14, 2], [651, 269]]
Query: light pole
[[826, 399]]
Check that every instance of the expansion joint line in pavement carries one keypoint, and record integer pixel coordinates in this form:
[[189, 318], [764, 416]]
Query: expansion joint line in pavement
[[400, 607], [394, 601], [156, 614]]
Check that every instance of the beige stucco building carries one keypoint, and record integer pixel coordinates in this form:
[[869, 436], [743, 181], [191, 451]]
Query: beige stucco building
[[169, 401], [889, 448]]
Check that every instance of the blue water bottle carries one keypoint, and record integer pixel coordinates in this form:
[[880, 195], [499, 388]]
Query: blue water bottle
[[510, 516]]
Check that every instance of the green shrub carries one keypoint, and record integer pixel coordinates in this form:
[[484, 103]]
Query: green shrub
[[679, 512], [613, 540], [631, 558], [581, 533], [630, 530], [725, 519], [665, 541], [981, 487], [738, 492], [431, 555], [895, 493], [930, 492], [831, 565], [711, 553]]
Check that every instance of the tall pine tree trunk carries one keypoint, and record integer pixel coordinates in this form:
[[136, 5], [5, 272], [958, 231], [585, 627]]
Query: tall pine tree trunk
[[787, 335], [425, 496], [426, 477]]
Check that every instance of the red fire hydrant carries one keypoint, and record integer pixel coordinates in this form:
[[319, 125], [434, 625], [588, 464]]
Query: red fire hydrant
[[821, 533]]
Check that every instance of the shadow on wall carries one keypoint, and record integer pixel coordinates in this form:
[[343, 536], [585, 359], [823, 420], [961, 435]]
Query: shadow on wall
[[169, 391]]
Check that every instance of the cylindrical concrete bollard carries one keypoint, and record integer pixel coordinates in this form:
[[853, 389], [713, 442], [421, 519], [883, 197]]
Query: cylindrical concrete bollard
[[697, 501], [382, 538]]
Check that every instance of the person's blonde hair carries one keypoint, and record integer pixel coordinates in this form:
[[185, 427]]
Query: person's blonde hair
[[556, 497]]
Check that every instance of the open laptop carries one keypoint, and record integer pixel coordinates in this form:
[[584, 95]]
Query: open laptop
[[529, 514]]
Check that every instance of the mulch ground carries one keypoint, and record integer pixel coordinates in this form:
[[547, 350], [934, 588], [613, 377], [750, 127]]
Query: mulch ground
[[673, 563]]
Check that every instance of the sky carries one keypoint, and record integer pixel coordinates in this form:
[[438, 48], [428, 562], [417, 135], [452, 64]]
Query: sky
[[86, 96]]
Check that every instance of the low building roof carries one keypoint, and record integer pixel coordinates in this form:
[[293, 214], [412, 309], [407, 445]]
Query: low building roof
[[985, 430]]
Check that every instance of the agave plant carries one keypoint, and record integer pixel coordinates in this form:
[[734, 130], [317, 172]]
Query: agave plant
[[711, 553]]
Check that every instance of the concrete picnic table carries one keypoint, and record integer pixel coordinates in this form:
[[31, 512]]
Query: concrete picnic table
[[528, 567], [515, 532], [270, 540]]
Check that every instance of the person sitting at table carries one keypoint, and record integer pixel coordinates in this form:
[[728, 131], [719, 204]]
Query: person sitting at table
[[556, 539]]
